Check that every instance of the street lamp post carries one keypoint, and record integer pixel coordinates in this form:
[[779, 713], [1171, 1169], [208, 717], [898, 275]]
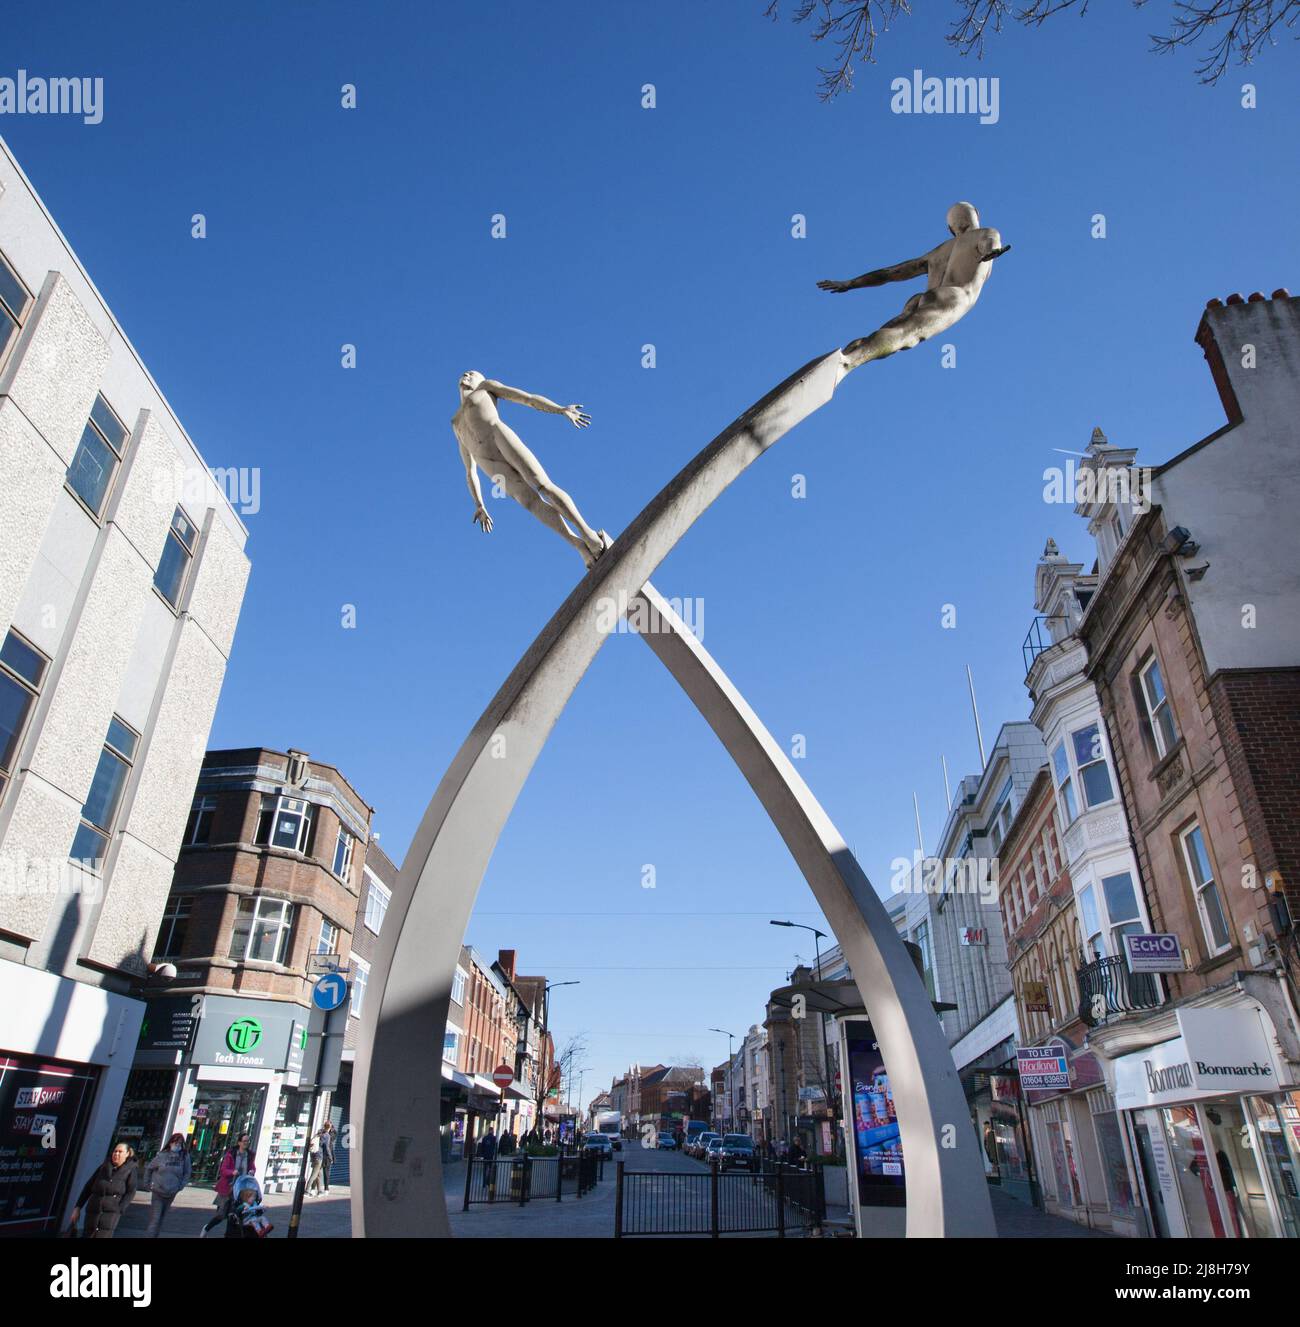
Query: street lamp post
[[818, 937], [543, 1084], [731, 1073]]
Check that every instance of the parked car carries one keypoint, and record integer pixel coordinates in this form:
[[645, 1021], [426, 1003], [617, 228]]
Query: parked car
[[736, 1152], [700, 1144], [713, 1151], [668, 1142], [598, 1142]]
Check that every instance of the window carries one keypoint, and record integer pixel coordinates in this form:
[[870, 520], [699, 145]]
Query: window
[[1090, 758], [198, 829], [328, 940], [450, 1042], [177, 554], [22, 670], [174, 928], [261, 931], [377, 897], [921, 938], [98, 815], [1121, 910], [1208, 902], [1001, 817], [360, 975], [458, 988], [1159, 714], [14, 303], [343, 856], [286, 822], [1094, 945], [1064, 784], [98, 454]]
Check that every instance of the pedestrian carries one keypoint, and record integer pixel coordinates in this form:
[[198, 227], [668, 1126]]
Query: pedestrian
[[796, 1154], [107, 1193], [315, 1158], [487, 1146], [165, 1176], [507, 1144], [326, 1152], [237, 1162]]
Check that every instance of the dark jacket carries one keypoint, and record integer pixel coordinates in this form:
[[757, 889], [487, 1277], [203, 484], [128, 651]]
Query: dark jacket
[[487, 1147], [107, 1195], [327, 1144]]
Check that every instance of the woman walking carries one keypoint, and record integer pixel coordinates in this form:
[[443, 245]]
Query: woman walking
[[107, 1193], [165, 1176], [236, 1163]]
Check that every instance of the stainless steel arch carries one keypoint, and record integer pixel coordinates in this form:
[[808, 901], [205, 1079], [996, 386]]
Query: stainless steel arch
[[397, 1180]]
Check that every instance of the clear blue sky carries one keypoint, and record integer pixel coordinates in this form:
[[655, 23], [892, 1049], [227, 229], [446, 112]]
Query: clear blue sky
[[627, 226]]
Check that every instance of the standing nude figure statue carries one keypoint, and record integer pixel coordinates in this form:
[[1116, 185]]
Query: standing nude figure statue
[[487, 441], [955, 273]]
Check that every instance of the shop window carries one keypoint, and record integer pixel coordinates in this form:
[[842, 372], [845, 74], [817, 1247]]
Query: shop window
[[343, 854], [1110, 1146], [261, 930]]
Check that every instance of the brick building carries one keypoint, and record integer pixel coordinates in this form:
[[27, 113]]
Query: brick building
[[1193, 642], [264, 897]]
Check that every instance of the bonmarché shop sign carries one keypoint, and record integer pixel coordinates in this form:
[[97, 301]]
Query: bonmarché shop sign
[[1221, 1052]]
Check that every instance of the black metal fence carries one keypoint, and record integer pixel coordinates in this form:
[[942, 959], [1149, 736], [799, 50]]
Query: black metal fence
[[1107, 988], [773, 1199], [520, 1178]]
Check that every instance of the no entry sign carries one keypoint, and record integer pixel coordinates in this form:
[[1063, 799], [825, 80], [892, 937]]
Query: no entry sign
[[503, 1075]]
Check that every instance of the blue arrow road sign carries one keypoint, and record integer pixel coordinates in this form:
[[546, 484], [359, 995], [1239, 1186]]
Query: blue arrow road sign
[[329, 992]]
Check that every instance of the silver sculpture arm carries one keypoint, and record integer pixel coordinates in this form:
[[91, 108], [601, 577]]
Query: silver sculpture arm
[[574, 413], [481, 516], [913, 267]]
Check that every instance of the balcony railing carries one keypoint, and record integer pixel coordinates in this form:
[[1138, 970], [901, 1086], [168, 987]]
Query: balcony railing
[[1107, 988], [1037, 639]]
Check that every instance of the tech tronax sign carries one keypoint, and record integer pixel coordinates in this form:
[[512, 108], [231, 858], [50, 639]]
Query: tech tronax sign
[[397, 1186]]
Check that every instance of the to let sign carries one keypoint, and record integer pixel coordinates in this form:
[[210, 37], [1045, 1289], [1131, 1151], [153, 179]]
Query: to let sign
[[1043, 1068], [1154, 953]]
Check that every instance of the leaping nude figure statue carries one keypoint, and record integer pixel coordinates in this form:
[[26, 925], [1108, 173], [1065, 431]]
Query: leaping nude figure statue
[[955, 273], [487, 441]]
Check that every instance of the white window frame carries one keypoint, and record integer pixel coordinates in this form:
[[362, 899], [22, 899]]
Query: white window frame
[[201, 805], [379, 895], [264, 908], [458, 986], [347, 842], [290, 806], [127, 760], [1066, 797], [357, 986], [1201, 887], [333, 946], [1164, 744], [1080, 783]]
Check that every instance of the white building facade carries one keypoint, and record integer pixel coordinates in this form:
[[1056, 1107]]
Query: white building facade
[[122, 572]]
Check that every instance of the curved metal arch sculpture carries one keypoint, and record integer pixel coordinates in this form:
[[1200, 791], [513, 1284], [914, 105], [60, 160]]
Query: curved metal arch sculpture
[[397, 1186]]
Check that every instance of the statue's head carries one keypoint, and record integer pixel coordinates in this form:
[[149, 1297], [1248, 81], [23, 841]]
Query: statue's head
[[469, 381], [961, 218]]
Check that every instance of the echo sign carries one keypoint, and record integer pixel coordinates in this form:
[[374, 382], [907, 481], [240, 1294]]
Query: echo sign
[[1154, 953]]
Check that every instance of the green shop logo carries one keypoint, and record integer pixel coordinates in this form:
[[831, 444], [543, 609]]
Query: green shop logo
[[243, 1034]]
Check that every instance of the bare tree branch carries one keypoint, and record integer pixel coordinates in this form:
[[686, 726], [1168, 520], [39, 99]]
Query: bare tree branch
[[1228, 29]]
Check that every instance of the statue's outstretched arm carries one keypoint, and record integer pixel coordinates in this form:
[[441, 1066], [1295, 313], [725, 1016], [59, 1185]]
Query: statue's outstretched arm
[[534, 402], [913, 267], [471, 482]]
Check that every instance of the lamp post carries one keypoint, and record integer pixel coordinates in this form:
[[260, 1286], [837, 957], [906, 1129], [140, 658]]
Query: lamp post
[[818, 937], [731, 1073], [543, 1084]]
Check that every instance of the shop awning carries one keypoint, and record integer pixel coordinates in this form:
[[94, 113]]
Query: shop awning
[[836, 999]]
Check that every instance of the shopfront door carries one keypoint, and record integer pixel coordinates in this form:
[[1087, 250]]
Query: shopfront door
[[1230, 1141], [221, 1114]]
